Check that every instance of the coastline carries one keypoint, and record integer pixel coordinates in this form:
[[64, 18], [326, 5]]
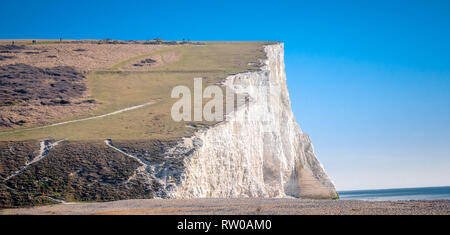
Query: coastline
[[241, 206], [398, 194]]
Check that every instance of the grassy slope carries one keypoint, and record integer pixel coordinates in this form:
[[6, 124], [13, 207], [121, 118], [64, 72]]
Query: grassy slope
[[116, 90]]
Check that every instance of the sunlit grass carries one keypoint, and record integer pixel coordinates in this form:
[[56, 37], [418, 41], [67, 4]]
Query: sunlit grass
[[116, 90]]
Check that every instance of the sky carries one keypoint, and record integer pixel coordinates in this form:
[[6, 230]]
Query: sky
[[369, 81]]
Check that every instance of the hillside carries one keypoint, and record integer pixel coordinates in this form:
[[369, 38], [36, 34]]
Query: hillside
[[91, 121], [113, 83]]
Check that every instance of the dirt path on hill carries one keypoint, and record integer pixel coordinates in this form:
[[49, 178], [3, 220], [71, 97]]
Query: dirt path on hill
[[59, 200], [45, 147], [145, 171], [86, 119]]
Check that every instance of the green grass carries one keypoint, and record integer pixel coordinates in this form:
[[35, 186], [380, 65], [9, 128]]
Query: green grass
[[116, 90]]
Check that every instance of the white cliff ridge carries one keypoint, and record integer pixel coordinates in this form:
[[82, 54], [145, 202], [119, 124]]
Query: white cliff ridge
[[266, 156]]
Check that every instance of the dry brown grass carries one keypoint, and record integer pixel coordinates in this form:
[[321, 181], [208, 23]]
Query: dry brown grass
[[35, 114], [84, 57]]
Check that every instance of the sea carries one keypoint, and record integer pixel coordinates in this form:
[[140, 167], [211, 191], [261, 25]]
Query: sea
[[397, 194]]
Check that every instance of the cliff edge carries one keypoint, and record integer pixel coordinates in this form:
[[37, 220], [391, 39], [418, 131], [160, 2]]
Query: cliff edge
[[266, 155]]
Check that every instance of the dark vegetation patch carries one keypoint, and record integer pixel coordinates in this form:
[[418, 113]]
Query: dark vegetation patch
[[158, 41], [32, 52], [88, 101], [76, 171], [148, 61], [11, 47], [14, 155], [144, 62], [55, 102], [165, 155], [192, 43], [8, 49], [79, 50], [22, 83], [110, 41], [10, 198], [5, 57], [152, 151], [51, 56]]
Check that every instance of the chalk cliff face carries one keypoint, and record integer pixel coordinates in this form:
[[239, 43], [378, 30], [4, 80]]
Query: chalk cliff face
[[259, 151]]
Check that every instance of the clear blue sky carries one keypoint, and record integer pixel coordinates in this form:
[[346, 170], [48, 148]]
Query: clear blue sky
[[369, 80]]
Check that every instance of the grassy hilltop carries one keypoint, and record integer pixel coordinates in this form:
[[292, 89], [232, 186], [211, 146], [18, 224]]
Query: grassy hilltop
[[129, 82]]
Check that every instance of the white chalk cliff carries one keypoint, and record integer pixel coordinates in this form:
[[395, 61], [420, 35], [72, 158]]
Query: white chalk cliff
[[267, 156]]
